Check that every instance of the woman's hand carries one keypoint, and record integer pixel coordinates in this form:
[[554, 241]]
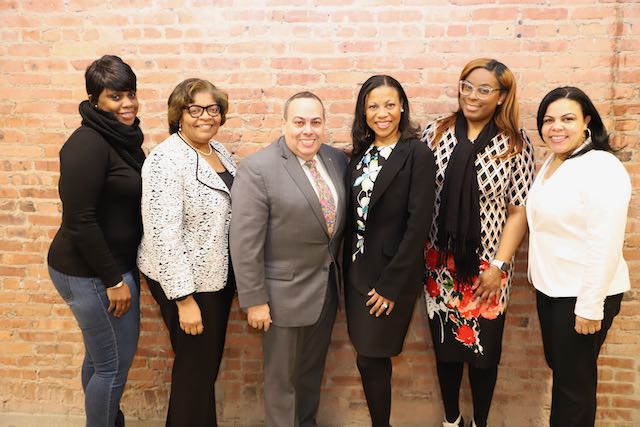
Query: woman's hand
[[488, 284], [379, 304], [259, 316], [586, 326], [119, 299], [189, 316]]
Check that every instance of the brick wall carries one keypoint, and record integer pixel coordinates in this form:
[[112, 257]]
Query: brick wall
[[261, 52]]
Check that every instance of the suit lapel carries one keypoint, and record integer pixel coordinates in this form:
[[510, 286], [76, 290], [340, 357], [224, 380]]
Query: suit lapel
[[389, 171], [293, 167]]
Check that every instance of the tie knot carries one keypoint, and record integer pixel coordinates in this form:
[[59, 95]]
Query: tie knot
[[311, 164]]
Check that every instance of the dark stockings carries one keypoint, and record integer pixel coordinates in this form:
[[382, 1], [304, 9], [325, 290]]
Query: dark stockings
[[375, 373], [482, 381]]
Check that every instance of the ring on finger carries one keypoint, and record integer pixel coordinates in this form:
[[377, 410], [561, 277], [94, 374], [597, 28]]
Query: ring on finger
[[385, 305]]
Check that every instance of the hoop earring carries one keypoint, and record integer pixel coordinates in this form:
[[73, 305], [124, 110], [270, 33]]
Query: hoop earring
[[588, 134]]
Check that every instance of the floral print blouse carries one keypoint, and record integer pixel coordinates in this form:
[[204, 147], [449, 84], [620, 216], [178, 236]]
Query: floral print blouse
[[366, 173]]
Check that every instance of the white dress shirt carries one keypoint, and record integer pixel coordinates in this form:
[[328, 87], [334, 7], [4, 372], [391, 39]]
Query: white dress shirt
[[577, 220]]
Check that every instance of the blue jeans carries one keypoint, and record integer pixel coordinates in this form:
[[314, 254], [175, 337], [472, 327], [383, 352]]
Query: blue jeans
[[110, 342]]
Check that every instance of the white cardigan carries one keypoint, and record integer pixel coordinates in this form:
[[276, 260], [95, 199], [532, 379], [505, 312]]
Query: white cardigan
[[577, 220], [186, 209]]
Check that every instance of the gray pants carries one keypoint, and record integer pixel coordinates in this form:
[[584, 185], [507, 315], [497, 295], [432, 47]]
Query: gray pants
[[294, 359]]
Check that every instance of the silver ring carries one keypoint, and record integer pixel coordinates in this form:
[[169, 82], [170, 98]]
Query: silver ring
[[385, 305]]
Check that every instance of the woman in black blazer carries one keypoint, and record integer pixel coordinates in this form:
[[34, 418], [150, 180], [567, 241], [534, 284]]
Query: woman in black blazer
[[391, 181]]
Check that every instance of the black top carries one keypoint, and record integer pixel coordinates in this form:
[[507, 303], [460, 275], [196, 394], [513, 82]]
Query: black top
[[227, 178], [101, 220], [399, 215]]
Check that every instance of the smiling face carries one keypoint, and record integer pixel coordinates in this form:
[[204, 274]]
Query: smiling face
[[383, 110], [304, 127], [123, 104], [564, 126], [200, 130], [474, 108]]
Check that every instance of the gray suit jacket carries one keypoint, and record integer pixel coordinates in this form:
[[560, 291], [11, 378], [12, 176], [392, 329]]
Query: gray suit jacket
[[280, 246]]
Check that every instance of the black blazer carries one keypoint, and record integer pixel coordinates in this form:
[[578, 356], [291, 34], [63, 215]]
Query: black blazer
[[398, 223]]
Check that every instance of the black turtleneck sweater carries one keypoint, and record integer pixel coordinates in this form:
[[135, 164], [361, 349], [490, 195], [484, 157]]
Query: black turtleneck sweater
[[101, 221]]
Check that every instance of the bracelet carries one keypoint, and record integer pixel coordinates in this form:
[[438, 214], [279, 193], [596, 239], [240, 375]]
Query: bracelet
[[500, 265], [119, 285]]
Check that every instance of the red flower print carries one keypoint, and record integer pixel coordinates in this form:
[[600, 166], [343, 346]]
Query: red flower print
[[451, 264], [468, 307], [466, 335], [432, 287], [490, 311], [432, 259]]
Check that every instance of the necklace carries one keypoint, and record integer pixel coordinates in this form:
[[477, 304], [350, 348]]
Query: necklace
[[198, 150]]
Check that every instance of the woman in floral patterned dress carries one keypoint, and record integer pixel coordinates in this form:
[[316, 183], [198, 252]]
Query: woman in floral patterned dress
[[391, 179], [484, 167]]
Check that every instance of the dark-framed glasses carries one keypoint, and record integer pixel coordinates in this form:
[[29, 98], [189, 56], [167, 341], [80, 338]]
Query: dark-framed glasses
[[482, 91], [197, 111]]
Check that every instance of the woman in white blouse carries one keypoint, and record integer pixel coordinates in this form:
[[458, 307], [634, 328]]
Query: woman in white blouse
[[577, 212], [184, 253]]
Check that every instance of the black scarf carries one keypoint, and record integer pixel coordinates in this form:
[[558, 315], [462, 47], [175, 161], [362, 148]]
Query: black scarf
[[126, 140], [459, 214]]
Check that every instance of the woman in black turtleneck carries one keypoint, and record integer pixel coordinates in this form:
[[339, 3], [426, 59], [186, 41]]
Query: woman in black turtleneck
[[92, 259]]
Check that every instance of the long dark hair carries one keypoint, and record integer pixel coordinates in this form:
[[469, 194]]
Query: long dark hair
[[361, 134], [599, 135]]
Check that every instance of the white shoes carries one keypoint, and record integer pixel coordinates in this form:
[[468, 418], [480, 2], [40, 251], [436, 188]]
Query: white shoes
[[457, 423]]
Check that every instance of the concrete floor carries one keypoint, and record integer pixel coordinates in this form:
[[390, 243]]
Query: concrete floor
[[28, 420]]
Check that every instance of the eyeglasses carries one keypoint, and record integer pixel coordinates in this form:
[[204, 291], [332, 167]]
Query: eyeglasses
[[483, 91], [197, 111]]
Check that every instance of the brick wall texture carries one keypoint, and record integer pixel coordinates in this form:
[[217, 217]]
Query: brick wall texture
[[261, 52]]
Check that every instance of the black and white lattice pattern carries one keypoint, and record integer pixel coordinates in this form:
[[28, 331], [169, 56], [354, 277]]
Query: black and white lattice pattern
[[501, 182]]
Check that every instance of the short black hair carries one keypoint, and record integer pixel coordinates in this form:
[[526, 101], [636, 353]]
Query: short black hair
[[599, 134], [302, 95], [108, 72]]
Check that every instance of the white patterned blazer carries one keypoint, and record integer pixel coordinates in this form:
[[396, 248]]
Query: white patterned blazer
[[186, 210]]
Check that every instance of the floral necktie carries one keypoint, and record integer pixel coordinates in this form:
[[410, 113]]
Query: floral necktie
[[327, 203]]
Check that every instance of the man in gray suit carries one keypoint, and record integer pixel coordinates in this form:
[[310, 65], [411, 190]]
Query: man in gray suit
[[287, 223]]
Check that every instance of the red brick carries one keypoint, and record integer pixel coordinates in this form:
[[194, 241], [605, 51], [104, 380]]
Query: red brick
[[261, 56]]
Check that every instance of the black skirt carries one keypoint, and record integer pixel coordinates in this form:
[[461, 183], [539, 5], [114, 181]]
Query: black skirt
[[377, 336]]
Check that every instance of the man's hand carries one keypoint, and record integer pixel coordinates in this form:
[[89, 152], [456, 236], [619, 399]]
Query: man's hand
[[189, 316], [586, 326], [259, 316]]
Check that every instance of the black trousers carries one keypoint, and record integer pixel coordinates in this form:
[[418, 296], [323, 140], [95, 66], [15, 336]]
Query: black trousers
[[573, 358], [197, 357]]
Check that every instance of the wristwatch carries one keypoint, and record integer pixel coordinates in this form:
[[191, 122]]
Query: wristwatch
[[504, 266]]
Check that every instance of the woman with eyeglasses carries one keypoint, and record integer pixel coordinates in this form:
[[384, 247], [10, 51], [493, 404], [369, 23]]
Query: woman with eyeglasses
[[92, 259], [484, 168], [184, 253]]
